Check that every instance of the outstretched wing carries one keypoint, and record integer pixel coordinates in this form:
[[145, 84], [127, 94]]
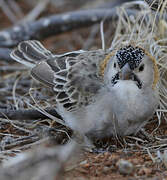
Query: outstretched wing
[[74, 77], [30, 53], [79, 79]]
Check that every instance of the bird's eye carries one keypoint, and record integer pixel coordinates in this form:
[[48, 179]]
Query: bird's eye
[[115, 65], [141, 68]]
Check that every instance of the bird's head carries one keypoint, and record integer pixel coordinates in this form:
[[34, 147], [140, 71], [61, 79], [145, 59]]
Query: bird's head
[[131, 64]]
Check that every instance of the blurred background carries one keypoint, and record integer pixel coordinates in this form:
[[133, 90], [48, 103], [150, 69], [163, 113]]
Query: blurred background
[[16, 12]]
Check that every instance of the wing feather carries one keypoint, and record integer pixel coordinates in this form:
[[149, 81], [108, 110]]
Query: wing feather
[[74, 77]]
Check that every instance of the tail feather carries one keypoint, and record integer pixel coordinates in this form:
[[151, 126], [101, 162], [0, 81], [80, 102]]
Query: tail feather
[[30, 53], [19, 57], [41, 48]]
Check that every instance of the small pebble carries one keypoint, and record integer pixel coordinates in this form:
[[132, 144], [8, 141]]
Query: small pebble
[[125, 167], [144, 171], [106, 169]]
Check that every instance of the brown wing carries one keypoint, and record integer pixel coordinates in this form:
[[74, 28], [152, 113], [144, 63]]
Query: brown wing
[[74, 77]]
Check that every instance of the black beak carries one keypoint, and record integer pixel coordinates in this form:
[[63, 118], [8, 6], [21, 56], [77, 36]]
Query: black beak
[[126, 72]]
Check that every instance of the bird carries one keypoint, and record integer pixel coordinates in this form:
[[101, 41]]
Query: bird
[[99, 93]]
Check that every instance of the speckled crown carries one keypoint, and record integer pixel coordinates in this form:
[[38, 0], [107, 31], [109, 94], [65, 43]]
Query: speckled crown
[[131, 55]]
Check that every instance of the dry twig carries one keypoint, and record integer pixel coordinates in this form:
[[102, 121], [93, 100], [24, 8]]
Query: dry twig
[[54, 25], [25, 114]]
